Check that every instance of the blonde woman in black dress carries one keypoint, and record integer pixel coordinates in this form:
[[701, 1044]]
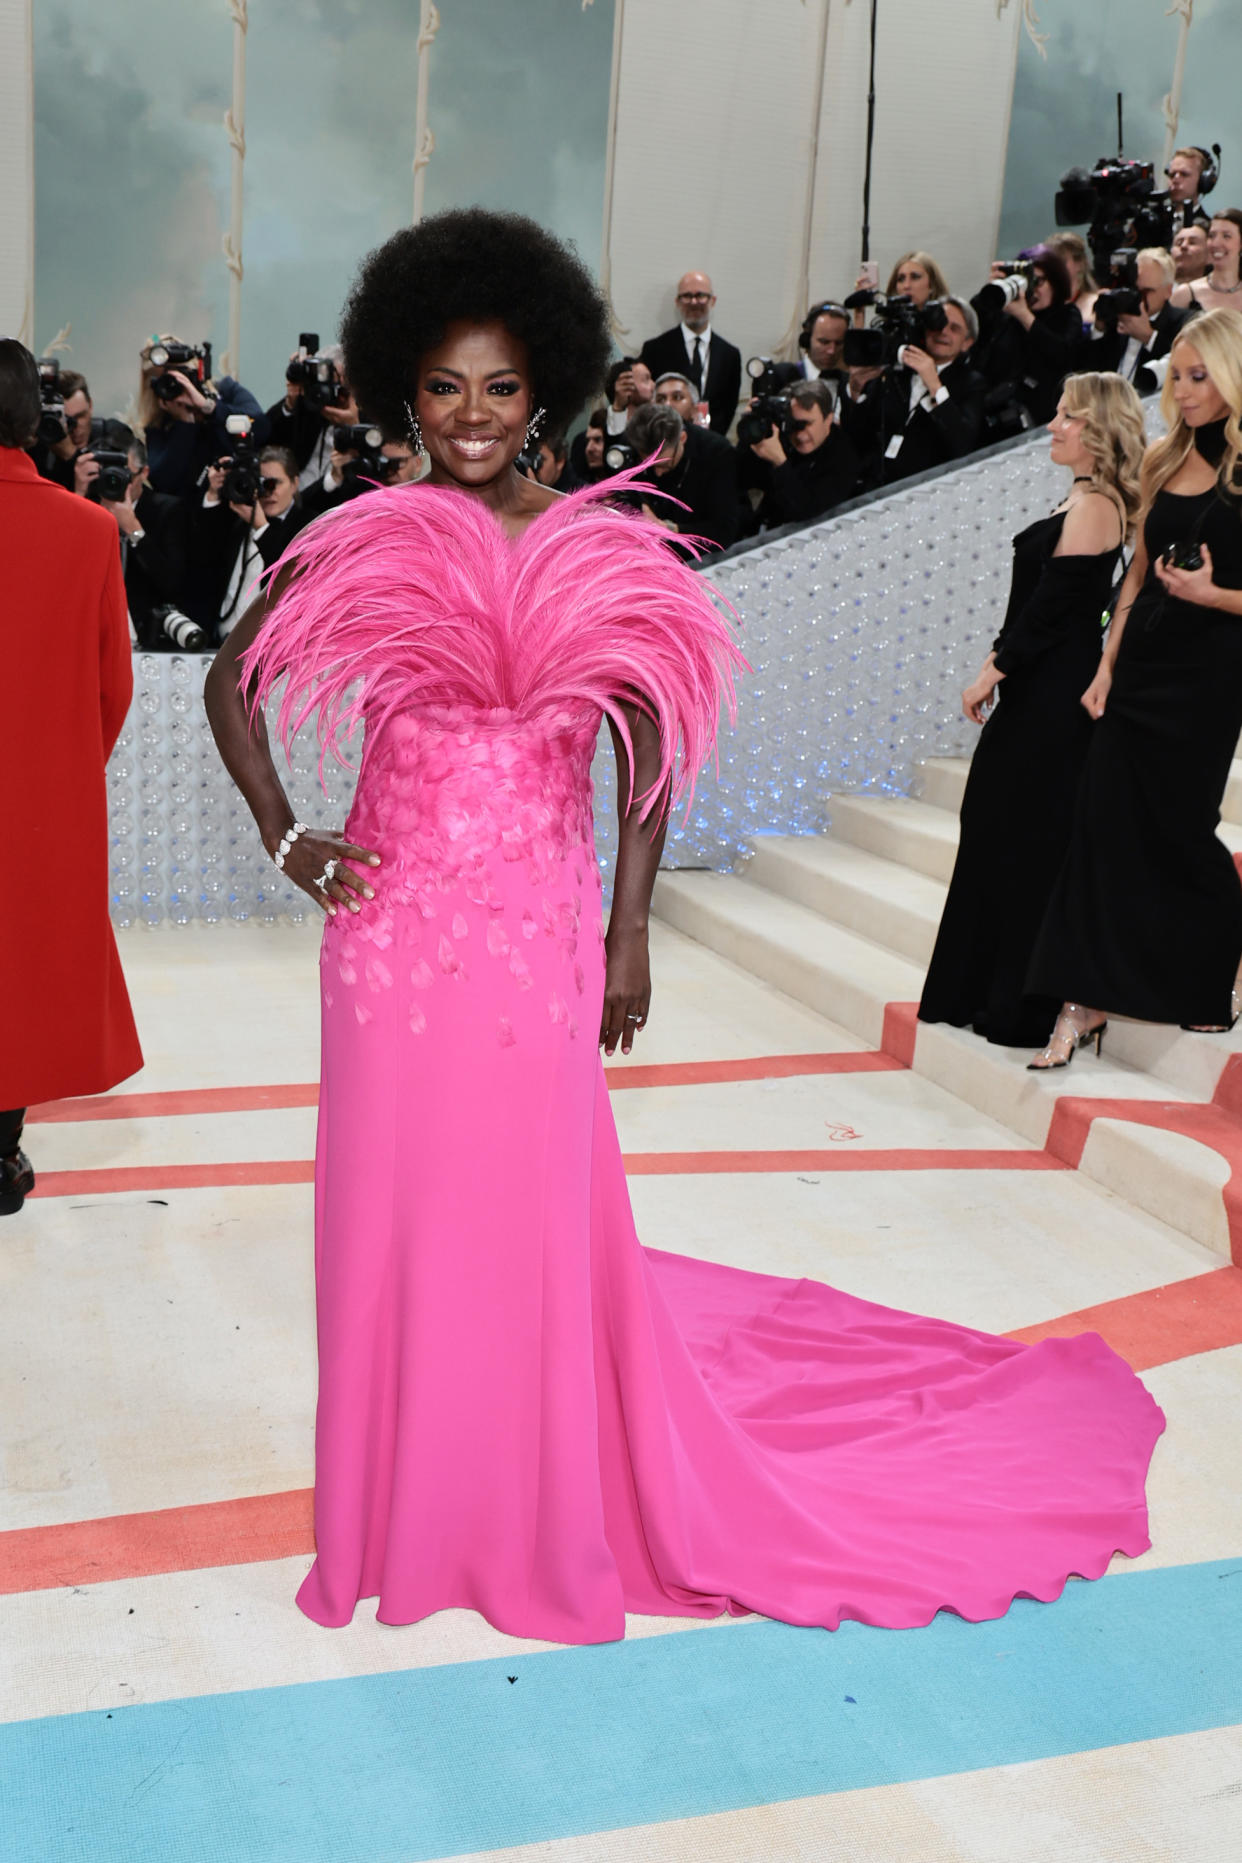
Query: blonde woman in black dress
[[1146, 917], [1018, 808]]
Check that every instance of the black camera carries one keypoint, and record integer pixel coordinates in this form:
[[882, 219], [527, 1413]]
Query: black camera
[[768, 415], [184, 634], [1122, 297], [1018, 277], [112, 480], [318, 376], [619, 455], [528, 460], [767, 377], [53, 426], [194, 364], [241, 479], [1183, 556], [1108, 197], [365, 441], [898, 321]]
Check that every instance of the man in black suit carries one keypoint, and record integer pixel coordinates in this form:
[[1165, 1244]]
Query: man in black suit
[[234, 543], [1138, 346], [309, 431], [694, 466], [154, 535], [693, 348], [810, 469], [926, 411]]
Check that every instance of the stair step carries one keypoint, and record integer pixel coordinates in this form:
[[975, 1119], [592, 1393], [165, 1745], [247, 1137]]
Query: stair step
[[915, 834], [840, 975], [942, 782], [892, 905], [1231, 807]]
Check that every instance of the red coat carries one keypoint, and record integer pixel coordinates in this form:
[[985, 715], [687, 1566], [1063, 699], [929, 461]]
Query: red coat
[[65, 685]]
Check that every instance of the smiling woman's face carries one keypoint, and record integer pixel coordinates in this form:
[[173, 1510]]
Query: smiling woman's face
[[473, 403]]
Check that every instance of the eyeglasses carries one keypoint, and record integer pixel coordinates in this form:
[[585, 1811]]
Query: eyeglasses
[[694, 297]]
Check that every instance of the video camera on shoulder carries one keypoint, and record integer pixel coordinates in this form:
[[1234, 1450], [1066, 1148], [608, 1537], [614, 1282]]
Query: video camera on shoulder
[[317, 375], [1107, 198], [897, 321], [241, 481], [1122, 297], [53, 427], [769, 411], [193, 363]]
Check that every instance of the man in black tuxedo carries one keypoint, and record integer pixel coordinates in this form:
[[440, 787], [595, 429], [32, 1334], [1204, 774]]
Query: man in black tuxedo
[[154, 539], [926, 411], [813, 466], [693, 348], [234, 543], [1138, 346], [695, 466]]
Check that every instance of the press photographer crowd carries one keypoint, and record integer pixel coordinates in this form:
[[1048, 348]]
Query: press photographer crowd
[[207, 486]]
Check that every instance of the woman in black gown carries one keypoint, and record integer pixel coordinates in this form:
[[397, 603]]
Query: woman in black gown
[[1018, 808], [1146, 917]]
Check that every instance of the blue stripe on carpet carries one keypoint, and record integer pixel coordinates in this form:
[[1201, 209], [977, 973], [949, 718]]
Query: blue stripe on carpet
[[435, 1762]]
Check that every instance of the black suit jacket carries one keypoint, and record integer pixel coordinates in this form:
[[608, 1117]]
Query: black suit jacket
[[930, 436], [299, 430], [724, 371], [706, 480], [155, 569], [217, 534], [809, 485], [1108, 351]]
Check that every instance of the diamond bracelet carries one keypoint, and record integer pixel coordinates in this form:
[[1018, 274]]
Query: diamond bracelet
[[291, 835]]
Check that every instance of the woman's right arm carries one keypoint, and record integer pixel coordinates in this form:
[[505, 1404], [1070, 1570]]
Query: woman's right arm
[[1096, 695], [242, 740]]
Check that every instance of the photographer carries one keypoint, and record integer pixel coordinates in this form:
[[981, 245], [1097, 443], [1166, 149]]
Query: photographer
[[1136, 325], [183, 413], [822, 342], [358, 462], [1191, 173], [317, 400], [629, 385], [61, 459], [1029, 338], [154, 535], [694, 466], [924, 412], [552, 464], [810, 464], [248, 513]]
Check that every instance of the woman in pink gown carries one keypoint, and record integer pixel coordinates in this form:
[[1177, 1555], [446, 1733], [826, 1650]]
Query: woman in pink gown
[[521, 1410]]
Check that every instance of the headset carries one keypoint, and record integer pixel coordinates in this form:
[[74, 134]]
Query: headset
[[816, 311], [1209, 175]]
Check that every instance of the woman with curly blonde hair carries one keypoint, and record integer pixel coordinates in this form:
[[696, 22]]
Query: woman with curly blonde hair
[[1018, 808], [1146, 918]]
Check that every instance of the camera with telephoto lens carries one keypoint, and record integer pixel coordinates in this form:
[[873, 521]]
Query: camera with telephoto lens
[[241, 466], [1121, 297], [1019, 276], [318, 376], [194, 364], [181, 631], [112, 479], [897, 321], [1183, 556], [53, 426]]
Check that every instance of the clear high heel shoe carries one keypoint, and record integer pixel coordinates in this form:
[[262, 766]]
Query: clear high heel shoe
[[1068, 1031]]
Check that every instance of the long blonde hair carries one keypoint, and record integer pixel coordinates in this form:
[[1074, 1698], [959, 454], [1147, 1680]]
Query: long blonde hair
[[1217, 335], [935, 277], [149, 410], [1113, 435]]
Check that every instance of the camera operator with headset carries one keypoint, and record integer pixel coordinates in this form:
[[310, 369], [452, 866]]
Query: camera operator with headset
[[183, 413], [810, 465], [1029, 340], [316, 402], [1135, 324], [247, 515], [1191, 173], [926, 407]]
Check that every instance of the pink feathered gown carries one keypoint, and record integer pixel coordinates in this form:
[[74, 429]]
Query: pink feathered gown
[[521, 1410]]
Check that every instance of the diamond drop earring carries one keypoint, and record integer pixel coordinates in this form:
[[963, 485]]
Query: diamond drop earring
[[415, 431], [534, 425]]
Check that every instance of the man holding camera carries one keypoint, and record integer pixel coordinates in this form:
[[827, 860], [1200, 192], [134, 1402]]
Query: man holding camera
[[1191, 174], [317, 402], [925, 411], [64, 459], [810, 463], [154, 537], [248, 514], [185, 414], [822, 342], [629, 386], [694, 466], [1135, 325], [358, 462]]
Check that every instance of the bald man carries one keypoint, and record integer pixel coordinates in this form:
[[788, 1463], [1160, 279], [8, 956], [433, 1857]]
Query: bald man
[[694, 349]]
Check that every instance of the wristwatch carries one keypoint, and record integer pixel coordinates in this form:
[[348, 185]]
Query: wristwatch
[[136, 536]]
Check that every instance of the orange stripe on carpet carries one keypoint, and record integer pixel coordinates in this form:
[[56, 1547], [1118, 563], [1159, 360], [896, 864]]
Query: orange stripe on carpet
[[114, 1181], [180, 1102], [1155, 1327]]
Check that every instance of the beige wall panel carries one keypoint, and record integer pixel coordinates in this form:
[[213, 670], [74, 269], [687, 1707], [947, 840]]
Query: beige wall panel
[[16, 172]]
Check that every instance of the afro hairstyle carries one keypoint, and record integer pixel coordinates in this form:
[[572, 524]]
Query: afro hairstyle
[[471, 265]]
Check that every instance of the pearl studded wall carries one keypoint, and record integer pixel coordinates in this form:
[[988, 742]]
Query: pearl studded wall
[[861, 631]]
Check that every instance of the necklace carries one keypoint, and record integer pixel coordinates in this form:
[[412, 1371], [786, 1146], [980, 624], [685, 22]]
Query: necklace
[[1223, 291]]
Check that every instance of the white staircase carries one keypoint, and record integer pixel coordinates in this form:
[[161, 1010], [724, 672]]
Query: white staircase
[[845, 922]]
